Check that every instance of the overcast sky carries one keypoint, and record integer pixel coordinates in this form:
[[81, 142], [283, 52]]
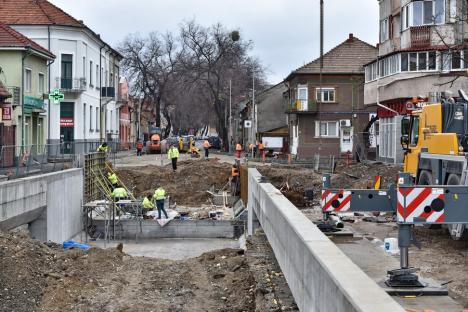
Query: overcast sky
[[285, 32]]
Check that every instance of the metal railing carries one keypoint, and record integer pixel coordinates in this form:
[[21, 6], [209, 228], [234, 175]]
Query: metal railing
[[23, 160], [420, 36], [297, 106], [70, 84]]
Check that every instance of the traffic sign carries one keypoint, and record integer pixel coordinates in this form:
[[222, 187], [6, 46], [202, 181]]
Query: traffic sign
[[56, 96]]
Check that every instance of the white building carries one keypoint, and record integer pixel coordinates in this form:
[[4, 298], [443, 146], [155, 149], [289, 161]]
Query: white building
[[86, 71]]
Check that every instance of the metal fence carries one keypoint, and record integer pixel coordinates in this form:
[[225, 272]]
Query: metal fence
[[23, 160]]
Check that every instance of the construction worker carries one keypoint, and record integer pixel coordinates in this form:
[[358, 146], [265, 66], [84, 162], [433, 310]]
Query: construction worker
[[148, 202], [238, 150], [103, 148], [113, 179], [139, 148], [261, 149], [119, 193], [251, 149], [206, 146], [173, 155], [159, 196], [234, 179]]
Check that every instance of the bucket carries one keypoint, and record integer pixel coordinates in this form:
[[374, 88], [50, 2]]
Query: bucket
[[391, 245]]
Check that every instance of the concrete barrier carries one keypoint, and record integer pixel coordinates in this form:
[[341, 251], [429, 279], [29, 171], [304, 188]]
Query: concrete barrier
[[49, 203], [320, 276], [127, 229]]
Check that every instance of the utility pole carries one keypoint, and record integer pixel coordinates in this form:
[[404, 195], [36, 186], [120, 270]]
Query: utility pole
[[254, 120], [319, 100]]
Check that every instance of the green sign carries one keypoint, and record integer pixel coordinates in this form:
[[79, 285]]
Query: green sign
[[56, 96]]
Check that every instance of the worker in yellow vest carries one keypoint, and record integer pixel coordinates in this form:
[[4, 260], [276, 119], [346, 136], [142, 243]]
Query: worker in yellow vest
[[173, 155], [119, 193], [148, 203], [113, 179], [103, 148], [159, 196]]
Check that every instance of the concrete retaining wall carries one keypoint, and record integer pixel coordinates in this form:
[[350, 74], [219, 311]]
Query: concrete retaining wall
[[319, 275], [177, 229], [49, 203]]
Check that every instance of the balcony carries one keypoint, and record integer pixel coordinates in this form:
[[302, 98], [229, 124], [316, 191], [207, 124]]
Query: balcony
[[108, 92], [70, 84], [420, 36], [302, 107]]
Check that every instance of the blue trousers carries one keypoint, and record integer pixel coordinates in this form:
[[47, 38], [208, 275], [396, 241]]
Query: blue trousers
[[160, 205]]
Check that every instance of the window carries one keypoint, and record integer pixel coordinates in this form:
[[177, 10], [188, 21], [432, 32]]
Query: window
[[414, 131], [422, 61], [302, 97], [384, 33], [453, 11], [97, 119], [404, 62], [387, 137], [67, 74], [90, 118], [456, 60], [326, 129], [445, 61], [432, 60], [84, 67], [91, 73], [27, 80], [423, 12], [41, 83], [413, 61], [97, 76], [326, 95]]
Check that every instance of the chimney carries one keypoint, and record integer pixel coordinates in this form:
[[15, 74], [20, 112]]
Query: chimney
[[351, 37]]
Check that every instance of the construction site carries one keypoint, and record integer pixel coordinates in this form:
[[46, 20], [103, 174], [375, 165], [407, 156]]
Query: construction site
[[211, 254]]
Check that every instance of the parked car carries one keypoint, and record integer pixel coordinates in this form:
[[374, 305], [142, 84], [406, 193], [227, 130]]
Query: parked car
[[215, 142]]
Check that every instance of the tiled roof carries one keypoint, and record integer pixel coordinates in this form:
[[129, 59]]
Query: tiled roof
[[347, 57], [11, 38], [37, 12]]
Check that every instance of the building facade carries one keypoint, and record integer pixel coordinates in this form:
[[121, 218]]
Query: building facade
[[125, 107], [86, 71], [422, 53], [24, 70], [327, 116]]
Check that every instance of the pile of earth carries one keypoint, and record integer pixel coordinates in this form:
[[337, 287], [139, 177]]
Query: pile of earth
[[38, 277], [294, 181], [187, 186]]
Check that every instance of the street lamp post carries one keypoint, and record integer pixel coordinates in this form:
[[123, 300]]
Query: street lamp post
[[230, 115]]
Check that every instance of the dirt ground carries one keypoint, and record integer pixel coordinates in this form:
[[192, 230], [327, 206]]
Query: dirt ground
[[188, 186], [36, 277]]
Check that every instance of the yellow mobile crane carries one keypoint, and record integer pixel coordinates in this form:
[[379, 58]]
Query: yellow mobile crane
[[435, 138]]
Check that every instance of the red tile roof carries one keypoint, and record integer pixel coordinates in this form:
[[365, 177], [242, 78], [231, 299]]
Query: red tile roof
[[10, 38], [348, 57], [37, 12]]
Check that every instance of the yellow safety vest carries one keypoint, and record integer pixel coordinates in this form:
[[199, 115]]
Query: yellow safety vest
[[113, 178], [159, 194], [147, 204], [102, 148], [173, 153], [119, 192]]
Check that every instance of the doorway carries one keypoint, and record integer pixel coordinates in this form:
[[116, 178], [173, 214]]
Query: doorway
[[346, 139], [67, 126]]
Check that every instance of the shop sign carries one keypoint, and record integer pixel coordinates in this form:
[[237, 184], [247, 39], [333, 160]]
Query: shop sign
[[67, 122]]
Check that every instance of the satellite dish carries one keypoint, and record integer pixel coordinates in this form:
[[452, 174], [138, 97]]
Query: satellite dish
[[463, 95]]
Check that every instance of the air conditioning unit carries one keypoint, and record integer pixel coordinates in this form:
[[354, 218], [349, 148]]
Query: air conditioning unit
[[345, 123]]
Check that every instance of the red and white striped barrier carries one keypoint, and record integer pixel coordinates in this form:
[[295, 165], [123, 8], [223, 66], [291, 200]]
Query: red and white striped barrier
[[420, 202], [335, 201]]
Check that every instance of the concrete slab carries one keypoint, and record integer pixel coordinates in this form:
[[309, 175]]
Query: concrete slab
[[377, 262], [171, 248]]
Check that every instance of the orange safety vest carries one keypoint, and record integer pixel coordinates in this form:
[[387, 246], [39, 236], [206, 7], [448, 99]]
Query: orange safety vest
[[234, 172], [260, 146], [139, 146], [238, 147], [206, 144]]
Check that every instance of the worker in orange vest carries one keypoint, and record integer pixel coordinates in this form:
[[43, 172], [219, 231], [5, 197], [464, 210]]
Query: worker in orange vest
[[238, 150], [251, 149], [206, 146], [261, 149], [139, 148]]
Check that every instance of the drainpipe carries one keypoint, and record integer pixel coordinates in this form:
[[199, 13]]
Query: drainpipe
[[48, 89], [100, 94]]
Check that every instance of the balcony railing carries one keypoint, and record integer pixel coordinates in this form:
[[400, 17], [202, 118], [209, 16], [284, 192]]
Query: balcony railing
[[303, 106], [70, 84], [420, 36]]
